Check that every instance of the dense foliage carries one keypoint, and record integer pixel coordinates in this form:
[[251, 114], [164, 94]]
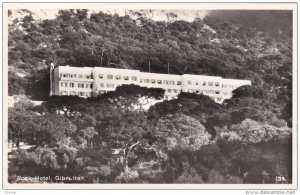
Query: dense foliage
[[191, 139]]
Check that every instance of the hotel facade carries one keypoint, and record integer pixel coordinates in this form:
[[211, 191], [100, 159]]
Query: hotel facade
[[94, 81]]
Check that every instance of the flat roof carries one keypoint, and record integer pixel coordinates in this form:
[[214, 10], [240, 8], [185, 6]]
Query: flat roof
[[163, 74]]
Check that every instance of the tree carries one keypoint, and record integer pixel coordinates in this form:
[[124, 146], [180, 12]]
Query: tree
[[52, 129], [65, 104], [131, 97], [124, 131], [248, 91], [71, 40], [35, 129], [190, 104], [21, 125], [82, 13], [88, 133], [180, 131], [17, 85], [254, 132]]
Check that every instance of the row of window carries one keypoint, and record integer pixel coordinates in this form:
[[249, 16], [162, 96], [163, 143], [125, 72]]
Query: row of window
[[87, 76], [79, 85], [173, 90], [134, 78], [152, 81], [228, 86], [204, 83], [108, 85], [208, 92], [216, 99], [118, 77], [79, 93], [169, 97], [165, 82]]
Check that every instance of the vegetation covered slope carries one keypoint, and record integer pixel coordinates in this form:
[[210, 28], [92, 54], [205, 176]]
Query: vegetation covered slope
[[192, 139]]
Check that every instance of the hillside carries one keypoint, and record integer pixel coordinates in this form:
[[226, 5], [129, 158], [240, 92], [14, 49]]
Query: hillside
[[192, 139]]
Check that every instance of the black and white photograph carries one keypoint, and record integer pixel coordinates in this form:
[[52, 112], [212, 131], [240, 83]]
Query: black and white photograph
[[156, 94]]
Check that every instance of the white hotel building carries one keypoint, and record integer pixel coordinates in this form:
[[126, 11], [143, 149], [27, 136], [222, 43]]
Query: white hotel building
[[93, 81]]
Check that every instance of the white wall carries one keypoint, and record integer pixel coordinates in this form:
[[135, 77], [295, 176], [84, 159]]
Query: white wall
[[219, 90]]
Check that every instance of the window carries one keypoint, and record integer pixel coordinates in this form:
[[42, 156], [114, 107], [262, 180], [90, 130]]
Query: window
[[80, 75], [219, 99], [81, 93], [204, 83], [66, 84], [101, 84], [166, 82], [62, 84], [71, 84], [172, 82], [217, 92], [91, 86], [64, 75], [175, 90], [146, 80], [110, 76], [89, 76], [101, 76], [153, 81], [109, 85], [159, 82], [134, 78], [217, 84], [89, 94], [72, 92], [74, 75], [178, 82], [87, 85], [141, 80], [126, 78], [118, 77], [169, 91], [166, 97], [80, 85], [189, 82], [196, 91], [210, 83], [224, 86]]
